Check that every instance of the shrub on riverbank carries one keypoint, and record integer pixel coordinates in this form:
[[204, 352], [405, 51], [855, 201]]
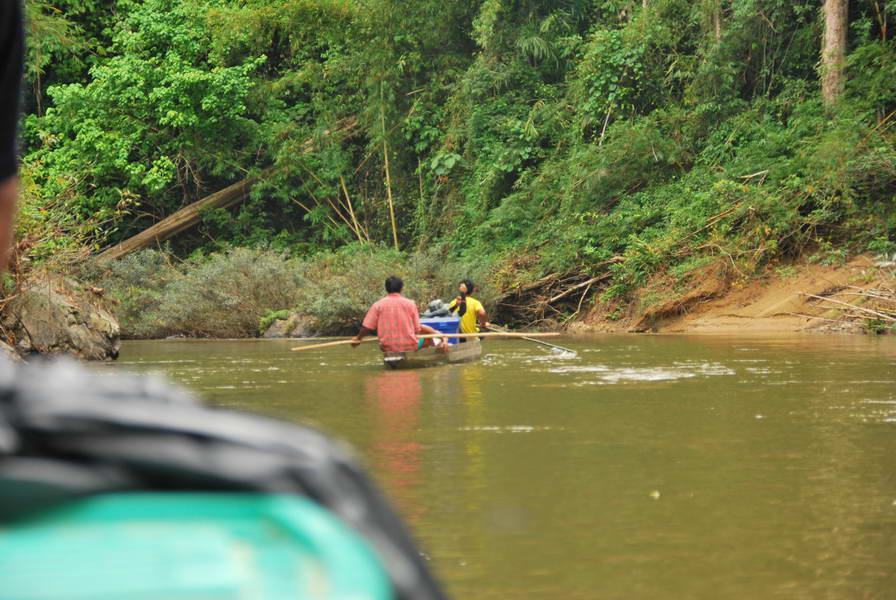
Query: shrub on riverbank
[[225, 295], [229, 294], [136, 284], [220, 295]]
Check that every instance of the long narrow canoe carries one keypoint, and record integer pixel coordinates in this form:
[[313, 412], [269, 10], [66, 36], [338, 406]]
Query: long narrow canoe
[[428, 357]]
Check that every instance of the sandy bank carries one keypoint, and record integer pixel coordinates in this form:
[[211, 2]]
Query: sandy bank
[[779, 302]]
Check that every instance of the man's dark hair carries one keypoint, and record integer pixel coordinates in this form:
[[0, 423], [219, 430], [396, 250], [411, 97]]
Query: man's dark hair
[[469, 285], [393, 284]]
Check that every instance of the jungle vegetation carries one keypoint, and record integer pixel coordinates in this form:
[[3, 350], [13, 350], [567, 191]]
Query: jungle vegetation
[[571, 148]]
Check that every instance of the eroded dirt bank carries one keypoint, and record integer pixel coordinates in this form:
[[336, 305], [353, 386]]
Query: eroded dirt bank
[[800, 297]]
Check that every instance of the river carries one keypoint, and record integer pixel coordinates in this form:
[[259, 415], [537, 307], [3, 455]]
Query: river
[[645, 467]]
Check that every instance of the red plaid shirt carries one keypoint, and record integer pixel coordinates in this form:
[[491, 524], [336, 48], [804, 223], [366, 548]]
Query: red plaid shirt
[[396, 322]]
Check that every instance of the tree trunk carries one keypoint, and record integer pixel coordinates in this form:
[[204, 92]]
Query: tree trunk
[[717, 20], [179, 221], [191, 214], [833, 53]]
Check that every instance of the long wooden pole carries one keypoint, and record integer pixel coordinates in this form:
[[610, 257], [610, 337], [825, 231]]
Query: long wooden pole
[[528, 338], [429, 336]]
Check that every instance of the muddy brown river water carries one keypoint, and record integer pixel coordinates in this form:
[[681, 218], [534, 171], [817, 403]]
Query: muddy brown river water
[[646, 467]]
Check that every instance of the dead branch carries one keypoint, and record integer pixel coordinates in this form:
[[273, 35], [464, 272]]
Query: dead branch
[[761, 174], [868, 295], [582, 299], [811, 317], [577, 286], [709, 223], [852, 306]]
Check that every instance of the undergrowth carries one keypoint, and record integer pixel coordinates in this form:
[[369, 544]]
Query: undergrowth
[[240, 292]]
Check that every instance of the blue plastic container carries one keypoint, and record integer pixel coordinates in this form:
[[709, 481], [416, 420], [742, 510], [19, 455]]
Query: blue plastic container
[[444, 325]]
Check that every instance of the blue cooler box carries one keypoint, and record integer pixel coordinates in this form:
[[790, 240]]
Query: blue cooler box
[[444, 325]]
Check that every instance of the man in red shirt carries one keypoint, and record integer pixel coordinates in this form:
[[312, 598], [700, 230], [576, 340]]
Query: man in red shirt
[[395, 319]]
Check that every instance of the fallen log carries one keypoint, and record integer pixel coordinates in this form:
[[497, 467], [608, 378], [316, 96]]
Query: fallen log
[[191, 214], [180, 220]]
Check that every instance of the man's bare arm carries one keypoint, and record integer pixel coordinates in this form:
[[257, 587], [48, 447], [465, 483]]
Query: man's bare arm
[[483, 320], [362, 333], [8, 191]]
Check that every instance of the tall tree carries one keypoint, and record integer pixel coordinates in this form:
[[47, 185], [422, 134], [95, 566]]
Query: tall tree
[[833, 53], [717, 19]]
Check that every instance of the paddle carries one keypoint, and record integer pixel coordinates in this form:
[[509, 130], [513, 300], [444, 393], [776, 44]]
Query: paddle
[[506, 334], [529, 339]]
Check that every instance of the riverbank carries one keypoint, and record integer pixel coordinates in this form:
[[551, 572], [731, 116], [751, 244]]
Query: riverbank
[[247, 293], [48, 313], [254, 293], [242, 292], [790, 298]]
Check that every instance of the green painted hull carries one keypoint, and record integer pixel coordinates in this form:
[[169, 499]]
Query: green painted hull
[[189, 546]]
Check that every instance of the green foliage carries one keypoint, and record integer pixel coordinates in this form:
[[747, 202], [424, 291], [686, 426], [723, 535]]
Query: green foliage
[[827, 255], [786, 271], [53, 36], [878, 326], [152, 122], [241, 292], [690, 265], [138, 284], [223, 295], [639, 138], [227, 294], [267, 320], [48, 233], [65, 38]]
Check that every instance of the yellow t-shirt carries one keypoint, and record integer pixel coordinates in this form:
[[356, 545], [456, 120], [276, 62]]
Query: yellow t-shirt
[[468, 322]]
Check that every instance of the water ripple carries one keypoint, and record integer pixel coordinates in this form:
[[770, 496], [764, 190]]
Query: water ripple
[[505, 428], [606, 374]]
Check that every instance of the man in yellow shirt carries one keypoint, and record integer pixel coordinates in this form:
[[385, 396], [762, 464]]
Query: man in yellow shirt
[[469, 309]]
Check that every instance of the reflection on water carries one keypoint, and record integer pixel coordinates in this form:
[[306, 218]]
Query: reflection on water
[[643, 467], [393, 399]]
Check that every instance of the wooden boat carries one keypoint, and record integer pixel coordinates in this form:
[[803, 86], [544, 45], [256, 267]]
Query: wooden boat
[[428, 357]]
